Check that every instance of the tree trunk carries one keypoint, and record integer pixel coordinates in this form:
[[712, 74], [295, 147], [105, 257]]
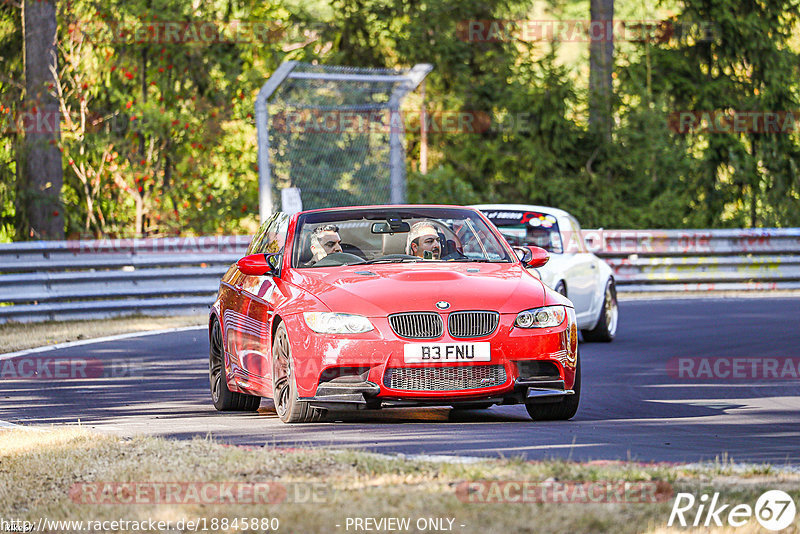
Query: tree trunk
[[139, 222], [423, 131], [601, 65], [43, 173]]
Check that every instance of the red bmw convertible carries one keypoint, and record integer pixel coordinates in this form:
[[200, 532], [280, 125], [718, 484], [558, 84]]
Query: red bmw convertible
[[371, 307]]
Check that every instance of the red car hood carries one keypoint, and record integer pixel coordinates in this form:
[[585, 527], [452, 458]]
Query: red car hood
[[379, 290]]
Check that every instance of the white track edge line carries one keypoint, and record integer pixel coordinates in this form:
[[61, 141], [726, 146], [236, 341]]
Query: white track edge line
[[68, 344], [5, 425]]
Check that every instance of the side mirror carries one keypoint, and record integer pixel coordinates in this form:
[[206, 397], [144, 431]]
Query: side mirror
[[532, 256], [259, 264]]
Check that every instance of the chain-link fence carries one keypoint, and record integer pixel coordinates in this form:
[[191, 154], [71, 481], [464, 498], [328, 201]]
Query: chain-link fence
[[335, 133]]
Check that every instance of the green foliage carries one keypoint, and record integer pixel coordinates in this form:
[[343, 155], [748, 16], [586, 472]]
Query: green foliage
[[443, 185], [159, 137], [10, 98], [171, 149], [741, 178]]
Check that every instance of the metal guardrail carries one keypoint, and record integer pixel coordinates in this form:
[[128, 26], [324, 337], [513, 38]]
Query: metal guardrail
[[59, 280], [700, 260], [618, 243]]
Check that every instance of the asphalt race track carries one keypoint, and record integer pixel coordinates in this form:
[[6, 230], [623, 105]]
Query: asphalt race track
[[634, 405]]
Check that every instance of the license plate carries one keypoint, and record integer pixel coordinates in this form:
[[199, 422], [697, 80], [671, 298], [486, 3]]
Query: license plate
[[447, 352]]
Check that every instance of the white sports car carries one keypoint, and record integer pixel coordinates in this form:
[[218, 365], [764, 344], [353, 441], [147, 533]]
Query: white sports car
[[572, 270]]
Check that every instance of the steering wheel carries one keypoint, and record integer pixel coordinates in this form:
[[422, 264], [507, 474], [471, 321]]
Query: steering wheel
[[398, 257], [338, 258], [455, 255]]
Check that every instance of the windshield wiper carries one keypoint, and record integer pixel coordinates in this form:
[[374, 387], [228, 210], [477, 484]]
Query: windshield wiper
[[391, 260]]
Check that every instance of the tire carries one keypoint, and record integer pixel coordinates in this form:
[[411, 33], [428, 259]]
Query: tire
[[223, 398], [284, 388], [562, 410], [473, 406], [606, 328]]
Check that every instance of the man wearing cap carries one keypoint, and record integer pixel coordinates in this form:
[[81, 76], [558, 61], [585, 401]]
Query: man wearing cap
[[423, 238]]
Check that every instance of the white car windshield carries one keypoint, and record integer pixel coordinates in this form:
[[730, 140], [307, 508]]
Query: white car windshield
[[394, 235], [523, 228]]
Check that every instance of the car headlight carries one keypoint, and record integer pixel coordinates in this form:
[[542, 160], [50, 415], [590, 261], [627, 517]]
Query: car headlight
[[337, 323], [572, 336], [541, 317]]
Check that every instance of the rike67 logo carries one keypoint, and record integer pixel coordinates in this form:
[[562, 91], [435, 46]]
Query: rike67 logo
[[774, 510]]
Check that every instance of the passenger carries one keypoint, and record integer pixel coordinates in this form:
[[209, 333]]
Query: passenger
[[423, 237], [324, 240]]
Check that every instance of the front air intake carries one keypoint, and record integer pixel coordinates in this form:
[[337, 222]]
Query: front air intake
[[450, 378]]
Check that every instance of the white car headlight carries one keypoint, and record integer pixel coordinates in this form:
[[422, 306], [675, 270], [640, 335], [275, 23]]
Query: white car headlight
[[541, 317], [337, 323]]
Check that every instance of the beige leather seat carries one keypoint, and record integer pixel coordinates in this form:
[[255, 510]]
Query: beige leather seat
[[394, 243]]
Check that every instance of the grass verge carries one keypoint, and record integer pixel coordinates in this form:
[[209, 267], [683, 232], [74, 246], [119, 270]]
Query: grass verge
[[20, 336], [46, 475]]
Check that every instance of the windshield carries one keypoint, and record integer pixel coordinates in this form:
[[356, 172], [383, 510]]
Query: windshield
[[392, 235], [522, 228]]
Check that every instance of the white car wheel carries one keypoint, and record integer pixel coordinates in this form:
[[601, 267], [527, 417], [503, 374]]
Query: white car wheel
[[606, 328]]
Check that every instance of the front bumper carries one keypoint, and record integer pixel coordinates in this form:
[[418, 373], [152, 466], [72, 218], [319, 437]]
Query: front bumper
[[376, 352], [365, 395]]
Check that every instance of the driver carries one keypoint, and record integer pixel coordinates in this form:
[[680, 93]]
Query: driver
[[422, 238], [324, 240], [539, 236]]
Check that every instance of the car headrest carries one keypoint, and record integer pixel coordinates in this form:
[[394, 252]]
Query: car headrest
[[305, 251], [394, 243]]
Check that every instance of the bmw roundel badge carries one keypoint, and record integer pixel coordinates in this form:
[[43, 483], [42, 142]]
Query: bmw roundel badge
[[442, 304]]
